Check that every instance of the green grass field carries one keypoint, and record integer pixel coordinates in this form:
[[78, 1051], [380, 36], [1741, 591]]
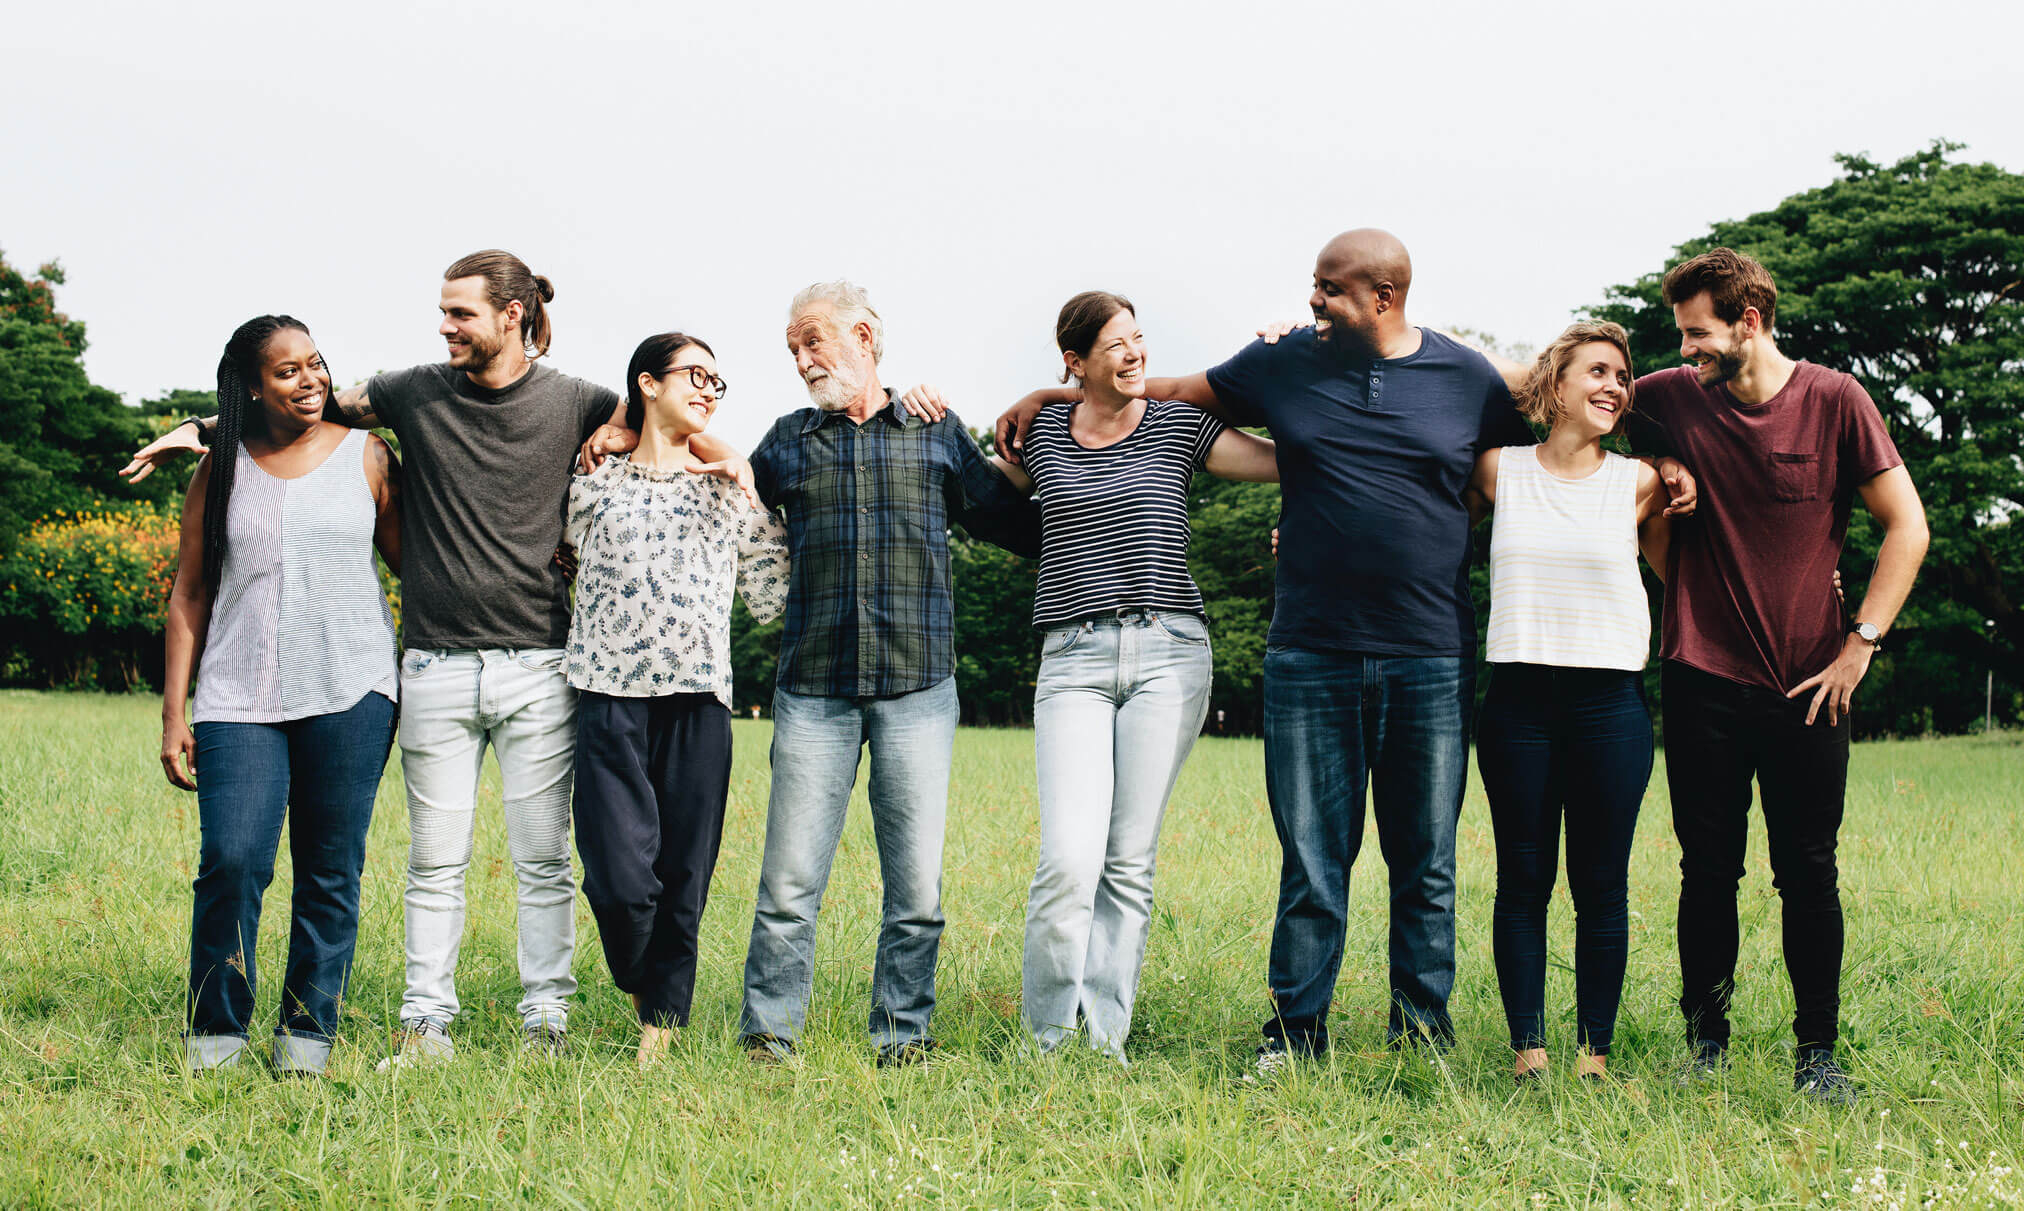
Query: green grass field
[[96, 854]]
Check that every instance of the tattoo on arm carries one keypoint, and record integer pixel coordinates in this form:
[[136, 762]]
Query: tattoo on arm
[[350, 407]]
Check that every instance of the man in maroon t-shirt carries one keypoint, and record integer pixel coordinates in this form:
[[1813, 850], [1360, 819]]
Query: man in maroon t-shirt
[[1759, 668]]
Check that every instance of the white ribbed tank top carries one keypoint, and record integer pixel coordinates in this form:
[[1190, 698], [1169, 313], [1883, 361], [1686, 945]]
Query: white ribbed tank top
[[299, 626], [1564, 583]]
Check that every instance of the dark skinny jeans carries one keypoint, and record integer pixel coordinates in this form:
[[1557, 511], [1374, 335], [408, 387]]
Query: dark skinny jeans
[[1573, 742], [1719, 735]]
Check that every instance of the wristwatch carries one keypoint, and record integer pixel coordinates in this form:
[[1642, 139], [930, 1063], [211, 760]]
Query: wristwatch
[[1867, 632], [203, 438]]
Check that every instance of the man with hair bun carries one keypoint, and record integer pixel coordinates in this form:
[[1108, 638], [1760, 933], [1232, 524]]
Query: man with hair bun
[[1760, 667], [489, 438]]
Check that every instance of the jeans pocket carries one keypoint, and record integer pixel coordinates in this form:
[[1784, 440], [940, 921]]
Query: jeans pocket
[[1060, 639], [1183, 628], [541, 660], [415, 660]]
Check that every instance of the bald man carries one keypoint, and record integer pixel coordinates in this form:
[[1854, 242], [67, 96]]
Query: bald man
[[1370, 667]]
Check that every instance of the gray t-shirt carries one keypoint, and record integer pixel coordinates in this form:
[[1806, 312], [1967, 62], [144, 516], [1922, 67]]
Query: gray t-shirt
[[485, 484]]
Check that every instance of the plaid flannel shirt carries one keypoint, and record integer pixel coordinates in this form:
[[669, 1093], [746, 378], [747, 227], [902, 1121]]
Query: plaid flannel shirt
[[870, 613]]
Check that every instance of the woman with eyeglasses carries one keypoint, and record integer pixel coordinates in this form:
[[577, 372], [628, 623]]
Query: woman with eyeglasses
[[660, 547]]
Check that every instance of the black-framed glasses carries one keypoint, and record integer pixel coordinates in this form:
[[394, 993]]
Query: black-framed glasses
[[700, 378]]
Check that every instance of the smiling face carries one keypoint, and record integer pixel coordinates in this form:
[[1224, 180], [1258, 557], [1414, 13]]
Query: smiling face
[[1344, 303], [1718, 351], [673, 401], [1594, 390], [1116, 361], [833, 365], [476, 331], [294, 382]]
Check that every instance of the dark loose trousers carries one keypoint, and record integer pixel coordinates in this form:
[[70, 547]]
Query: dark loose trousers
[[1719, 735], [651, 778], [1554, 742], [320, 775]]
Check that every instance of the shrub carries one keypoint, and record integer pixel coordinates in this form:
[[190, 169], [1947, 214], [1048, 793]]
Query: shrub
[[85, 597]]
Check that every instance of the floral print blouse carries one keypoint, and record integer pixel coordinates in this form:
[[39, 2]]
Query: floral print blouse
[[658, 556]]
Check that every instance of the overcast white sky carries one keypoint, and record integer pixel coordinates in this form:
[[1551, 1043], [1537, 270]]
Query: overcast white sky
[[684, 166]]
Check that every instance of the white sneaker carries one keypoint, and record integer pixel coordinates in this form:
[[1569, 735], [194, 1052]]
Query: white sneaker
[[1273, 1060], [422, 1041]]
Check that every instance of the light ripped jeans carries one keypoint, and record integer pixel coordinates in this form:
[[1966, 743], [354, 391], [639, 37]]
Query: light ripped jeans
[[1116, 709], [453, 703]]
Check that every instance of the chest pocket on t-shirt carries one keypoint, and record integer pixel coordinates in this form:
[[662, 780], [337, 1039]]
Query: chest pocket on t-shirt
[[1795, 477]]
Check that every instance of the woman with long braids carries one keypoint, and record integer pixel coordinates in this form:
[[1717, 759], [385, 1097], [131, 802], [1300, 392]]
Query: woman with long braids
[[277, 608]]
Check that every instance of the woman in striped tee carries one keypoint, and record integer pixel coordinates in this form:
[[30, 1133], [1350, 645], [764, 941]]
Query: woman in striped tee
[[1124, 666], [1564, 729]]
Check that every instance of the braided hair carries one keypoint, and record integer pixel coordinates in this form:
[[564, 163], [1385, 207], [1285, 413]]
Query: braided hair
[[238, 377]]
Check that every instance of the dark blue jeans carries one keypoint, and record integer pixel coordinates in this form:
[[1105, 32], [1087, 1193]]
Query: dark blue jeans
[[1554, 742], [320, 774], [1334, 723]]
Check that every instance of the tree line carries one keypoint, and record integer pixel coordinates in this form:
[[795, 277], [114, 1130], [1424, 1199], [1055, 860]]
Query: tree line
[[1908, 275]]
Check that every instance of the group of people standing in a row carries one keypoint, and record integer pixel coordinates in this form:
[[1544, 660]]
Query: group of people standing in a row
[[1389, 441]]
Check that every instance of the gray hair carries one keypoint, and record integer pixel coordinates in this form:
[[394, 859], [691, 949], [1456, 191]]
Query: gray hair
[[849, 304]]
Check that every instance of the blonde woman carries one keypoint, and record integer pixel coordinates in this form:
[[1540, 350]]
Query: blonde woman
[[1564, 732]]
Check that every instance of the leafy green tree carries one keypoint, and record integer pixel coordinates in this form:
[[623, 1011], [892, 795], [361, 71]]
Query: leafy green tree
[[1909, 276], [62, 439]]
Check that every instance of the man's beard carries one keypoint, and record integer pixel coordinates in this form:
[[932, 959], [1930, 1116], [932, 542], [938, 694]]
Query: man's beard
[[481, 352], [1725, 366], [837, 391]]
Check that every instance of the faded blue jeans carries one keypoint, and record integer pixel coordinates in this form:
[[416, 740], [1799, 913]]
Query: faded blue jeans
[[1116, 710], [816, 742], [1334, 723]]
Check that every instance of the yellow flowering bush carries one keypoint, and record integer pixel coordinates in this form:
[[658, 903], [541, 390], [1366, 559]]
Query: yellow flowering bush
[[83, 595]]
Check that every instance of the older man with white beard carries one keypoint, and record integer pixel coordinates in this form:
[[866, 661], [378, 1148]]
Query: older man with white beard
[[867, 656]]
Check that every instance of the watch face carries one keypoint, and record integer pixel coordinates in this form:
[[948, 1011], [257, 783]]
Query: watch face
[[1868, 631]]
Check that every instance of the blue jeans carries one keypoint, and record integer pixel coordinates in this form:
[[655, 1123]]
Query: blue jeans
[[1333, 723], [816, 742], [1119, 703], [319, 774], [1554, 742]]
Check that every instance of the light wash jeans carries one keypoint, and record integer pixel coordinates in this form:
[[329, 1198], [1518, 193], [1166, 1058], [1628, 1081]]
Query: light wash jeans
[[1116, 710], [453, 703], [815, 751]]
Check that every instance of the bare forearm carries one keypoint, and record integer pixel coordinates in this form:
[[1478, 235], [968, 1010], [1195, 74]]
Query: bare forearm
[[188, 620], [711, 448], [1655, 541], [1897, 566]]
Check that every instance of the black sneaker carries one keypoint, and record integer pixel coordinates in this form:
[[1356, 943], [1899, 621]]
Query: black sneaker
[[1709, 1060], [1820, 1078], [907, 1054]]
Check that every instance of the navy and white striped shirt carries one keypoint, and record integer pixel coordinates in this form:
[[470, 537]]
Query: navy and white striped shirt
[[1114, 521]]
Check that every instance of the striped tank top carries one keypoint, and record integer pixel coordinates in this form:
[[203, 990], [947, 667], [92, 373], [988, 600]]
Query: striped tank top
[[299, 626], [1564, 583]]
